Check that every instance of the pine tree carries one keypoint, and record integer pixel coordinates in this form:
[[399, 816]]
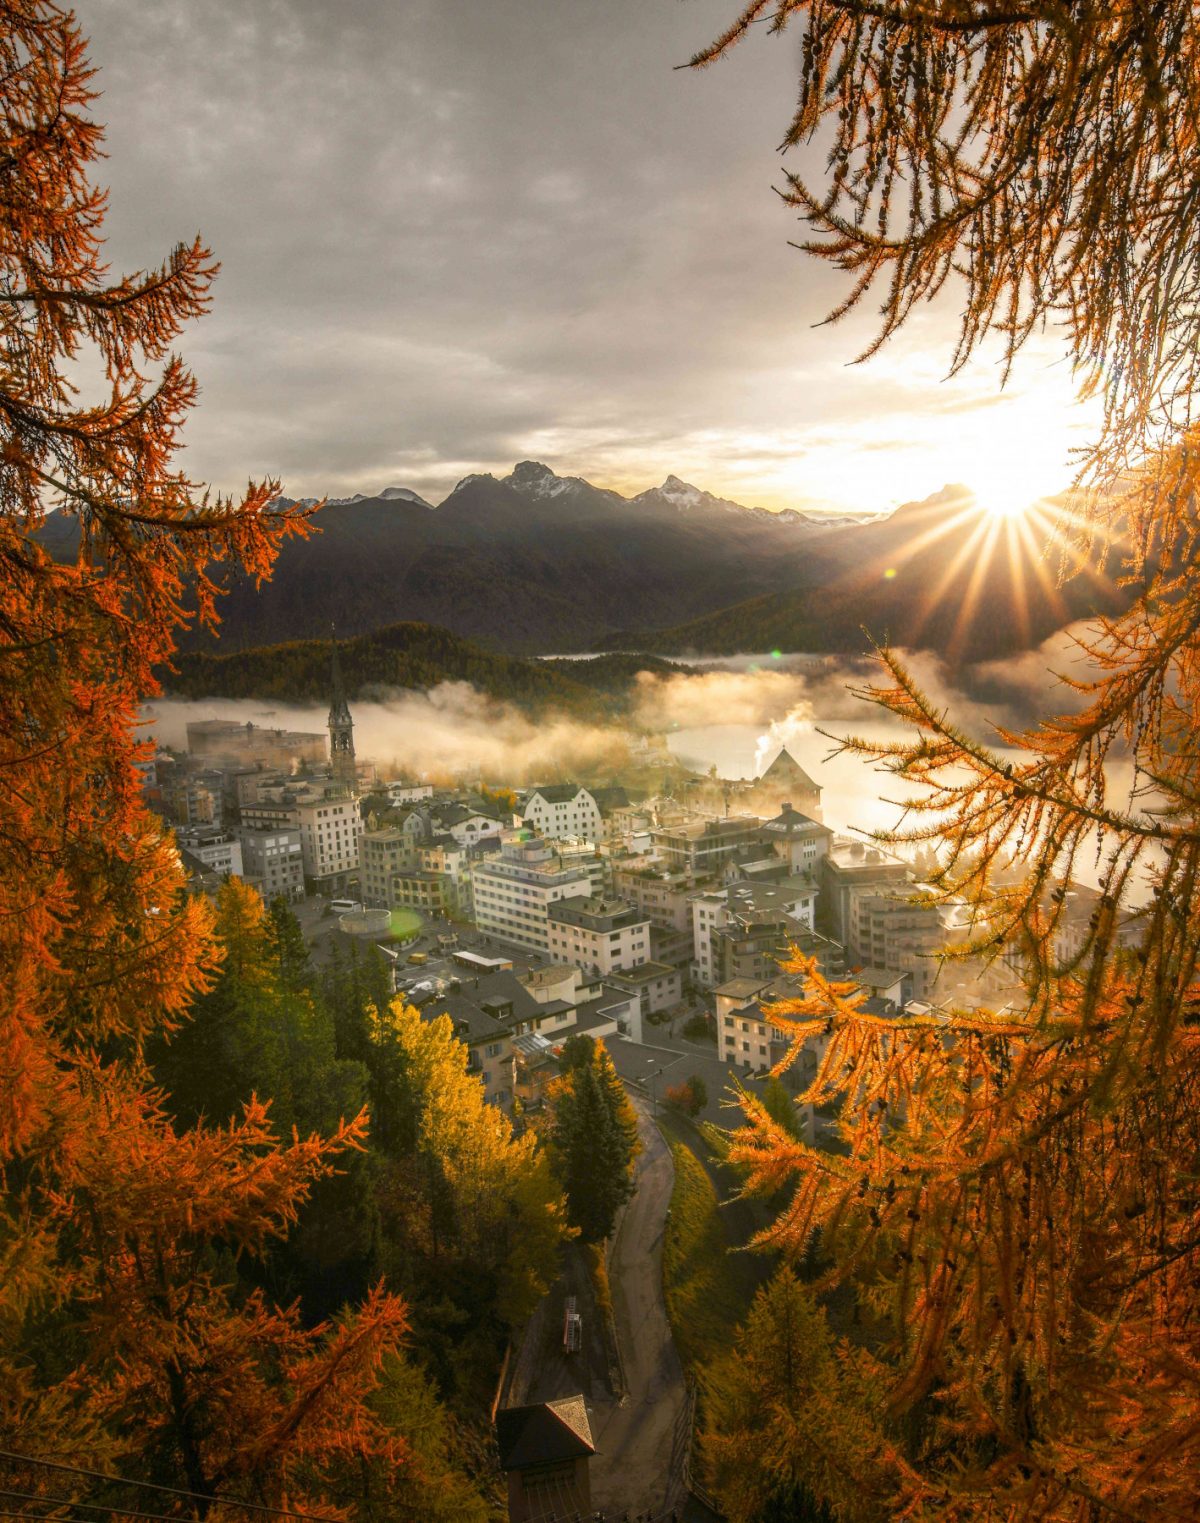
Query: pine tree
[[791, 1430], [1018, 1195], [125, 1343], [593, 1131]]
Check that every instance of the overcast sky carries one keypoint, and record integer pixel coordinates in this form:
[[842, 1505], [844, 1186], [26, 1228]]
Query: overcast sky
[[460, 233]]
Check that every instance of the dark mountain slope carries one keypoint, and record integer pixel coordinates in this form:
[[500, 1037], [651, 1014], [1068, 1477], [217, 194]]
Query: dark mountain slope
[[530, 562], [938, 575], [408, 656]]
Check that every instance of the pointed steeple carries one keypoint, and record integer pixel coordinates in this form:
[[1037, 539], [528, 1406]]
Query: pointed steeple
[[341, 726]]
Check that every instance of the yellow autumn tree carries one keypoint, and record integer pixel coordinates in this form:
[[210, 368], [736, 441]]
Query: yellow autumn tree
[[1018, 1197]]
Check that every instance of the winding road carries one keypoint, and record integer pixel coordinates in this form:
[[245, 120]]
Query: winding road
[[640, 1439]]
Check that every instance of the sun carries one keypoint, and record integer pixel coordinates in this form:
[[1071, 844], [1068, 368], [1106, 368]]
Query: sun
[[1011, 495]]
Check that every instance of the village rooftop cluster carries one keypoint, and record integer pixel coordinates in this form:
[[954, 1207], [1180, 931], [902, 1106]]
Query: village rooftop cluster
[[531, 915]]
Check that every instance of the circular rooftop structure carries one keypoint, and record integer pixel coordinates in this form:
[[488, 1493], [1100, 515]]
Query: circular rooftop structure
[[365, 922]]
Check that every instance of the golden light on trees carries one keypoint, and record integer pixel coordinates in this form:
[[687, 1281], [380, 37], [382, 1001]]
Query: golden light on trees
[[1016, 1204], [127, 1343]]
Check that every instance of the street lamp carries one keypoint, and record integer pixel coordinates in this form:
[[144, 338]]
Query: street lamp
[[657, 1074]]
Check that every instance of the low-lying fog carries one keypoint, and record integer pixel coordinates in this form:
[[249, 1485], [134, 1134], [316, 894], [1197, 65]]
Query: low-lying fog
[[733, 713]]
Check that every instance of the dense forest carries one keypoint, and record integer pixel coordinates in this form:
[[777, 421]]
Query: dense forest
[[411, 656]]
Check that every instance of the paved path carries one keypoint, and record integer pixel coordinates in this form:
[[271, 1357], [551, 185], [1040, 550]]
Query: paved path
[[641, 1439], [641, 1442]]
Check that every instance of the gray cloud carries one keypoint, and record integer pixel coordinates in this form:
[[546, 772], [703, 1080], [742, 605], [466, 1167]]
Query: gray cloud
[[455, 234]]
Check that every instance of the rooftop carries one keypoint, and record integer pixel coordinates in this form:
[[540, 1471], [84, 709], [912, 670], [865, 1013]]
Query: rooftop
[[785, 768], [791, 822], [643, 973], [594, 914], [554, 793], [540, 1435]]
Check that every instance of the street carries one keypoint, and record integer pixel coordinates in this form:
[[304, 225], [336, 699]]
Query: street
[[641, 1439]]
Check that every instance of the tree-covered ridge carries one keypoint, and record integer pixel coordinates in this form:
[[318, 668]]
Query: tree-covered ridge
[[407, 656]]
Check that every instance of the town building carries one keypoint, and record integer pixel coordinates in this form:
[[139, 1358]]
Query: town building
[[217, 851], [701, 847], [745, 930], [663, 896], [244, 744], [657, 985], [601, 935], [273, 861], [848, 870], [383, 851], [797, 839], [561, 810], [417, 888], [408, 793], [330, 834], [468, 826], [785, 781], [192, 797], [514, 888], [749, 1035]]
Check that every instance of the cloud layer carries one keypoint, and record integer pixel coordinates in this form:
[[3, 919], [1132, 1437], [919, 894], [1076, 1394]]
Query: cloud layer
[[455, 235]]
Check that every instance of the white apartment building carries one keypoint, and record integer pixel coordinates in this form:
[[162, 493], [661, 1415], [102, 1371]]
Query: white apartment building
[[330, 836], [515, 887], [580, 853], [709, 911], [759, 915], [564, 809], [600, 935], [408, 793], [216, 849]]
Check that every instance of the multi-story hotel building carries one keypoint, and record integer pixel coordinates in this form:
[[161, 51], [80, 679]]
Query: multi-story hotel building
[[515, 887]]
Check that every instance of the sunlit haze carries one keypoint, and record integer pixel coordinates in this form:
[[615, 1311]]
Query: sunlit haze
[[549, 244]]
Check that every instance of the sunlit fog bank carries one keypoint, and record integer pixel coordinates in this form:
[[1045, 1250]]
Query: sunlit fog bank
[[732, 713]]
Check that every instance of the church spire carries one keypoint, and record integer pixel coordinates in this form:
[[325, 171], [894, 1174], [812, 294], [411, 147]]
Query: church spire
[[341, 726]]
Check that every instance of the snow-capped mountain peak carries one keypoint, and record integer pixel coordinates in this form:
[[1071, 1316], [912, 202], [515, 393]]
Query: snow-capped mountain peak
[[404, 494], [681, 493], [537, 480]]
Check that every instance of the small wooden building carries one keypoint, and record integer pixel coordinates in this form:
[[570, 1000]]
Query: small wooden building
[[544, 1450]]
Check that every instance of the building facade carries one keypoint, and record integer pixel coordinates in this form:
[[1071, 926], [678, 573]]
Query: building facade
[[562, 810], [514, 888], [273, 861], [599, 935]]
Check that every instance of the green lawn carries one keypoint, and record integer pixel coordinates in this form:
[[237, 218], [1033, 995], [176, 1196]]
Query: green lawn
[[405, 923], [708, 1290]]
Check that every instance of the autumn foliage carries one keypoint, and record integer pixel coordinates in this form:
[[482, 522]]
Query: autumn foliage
[[1014, 1205], [126, 1340]]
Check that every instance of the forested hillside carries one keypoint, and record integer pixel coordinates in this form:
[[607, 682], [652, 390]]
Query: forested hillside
[[937, 576], [407, 656]]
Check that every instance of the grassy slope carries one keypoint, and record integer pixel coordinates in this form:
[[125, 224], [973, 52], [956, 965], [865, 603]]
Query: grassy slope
[[708, 1290]]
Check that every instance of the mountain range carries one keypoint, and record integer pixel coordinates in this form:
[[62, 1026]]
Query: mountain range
[[534, 562]]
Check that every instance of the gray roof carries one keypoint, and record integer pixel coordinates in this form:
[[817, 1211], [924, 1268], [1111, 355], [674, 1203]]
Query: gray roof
[[552, 1430], [555, 793], [785, 768]]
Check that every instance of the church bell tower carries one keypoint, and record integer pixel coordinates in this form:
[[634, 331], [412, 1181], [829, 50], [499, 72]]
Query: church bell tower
[[341, 732]]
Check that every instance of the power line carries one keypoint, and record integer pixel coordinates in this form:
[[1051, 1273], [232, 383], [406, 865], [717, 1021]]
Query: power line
[[124, 1512], [54, 1517], [174, 1491]]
